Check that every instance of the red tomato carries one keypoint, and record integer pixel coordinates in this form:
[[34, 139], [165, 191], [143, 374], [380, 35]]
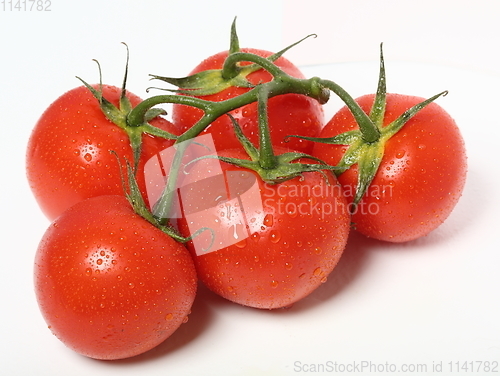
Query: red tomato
[[265, 246], [420, 178], [109, 284], [68, 154], [288, 114]]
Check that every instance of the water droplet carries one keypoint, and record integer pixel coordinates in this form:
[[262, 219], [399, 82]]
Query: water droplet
[[318, 272], [274, 284], [99, 262], [241, 244], [256, 258], [131, 285], [274, 237], [268, 220], [88, 272], [400, 154], [288, 266], [292, 212], [169, 317], [318, 251], [87, 157], [185, 319], [119, 277], [255, 236]]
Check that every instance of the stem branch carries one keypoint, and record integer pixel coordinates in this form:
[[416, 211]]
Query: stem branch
[[369, 130]]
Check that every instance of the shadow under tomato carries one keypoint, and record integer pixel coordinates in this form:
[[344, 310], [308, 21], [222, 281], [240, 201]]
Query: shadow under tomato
[[361, 249], [352, 263]]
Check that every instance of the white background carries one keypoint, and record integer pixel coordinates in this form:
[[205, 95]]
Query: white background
[[431, 301]]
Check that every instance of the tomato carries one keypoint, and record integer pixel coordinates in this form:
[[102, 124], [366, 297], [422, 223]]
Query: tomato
[[421, 176], [109, 284], [68, 154], [288, 113], [264, 245]]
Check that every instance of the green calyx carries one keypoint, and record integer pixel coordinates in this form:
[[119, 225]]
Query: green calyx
[[120, 115], [273, 168], [367, 144], [233, 74]]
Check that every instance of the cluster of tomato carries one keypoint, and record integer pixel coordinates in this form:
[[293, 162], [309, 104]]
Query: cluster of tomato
[[114, 279]]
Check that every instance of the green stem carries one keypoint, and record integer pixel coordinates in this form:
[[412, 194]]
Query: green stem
[[267, 159], [369, 130], [281, 84], [137, 116], [163, 207], [228, 69]]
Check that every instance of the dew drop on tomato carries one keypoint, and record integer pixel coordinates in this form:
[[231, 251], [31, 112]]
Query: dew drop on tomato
[[318, 272], [268, 220], [241, 244], [255, 236], [400, 154], [274, 236]]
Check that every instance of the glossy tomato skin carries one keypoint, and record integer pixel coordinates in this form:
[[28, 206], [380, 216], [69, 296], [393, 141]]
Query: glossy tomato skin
[[289, 114], [421, 176], [68, 154], [108, 283], [272, 245]]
